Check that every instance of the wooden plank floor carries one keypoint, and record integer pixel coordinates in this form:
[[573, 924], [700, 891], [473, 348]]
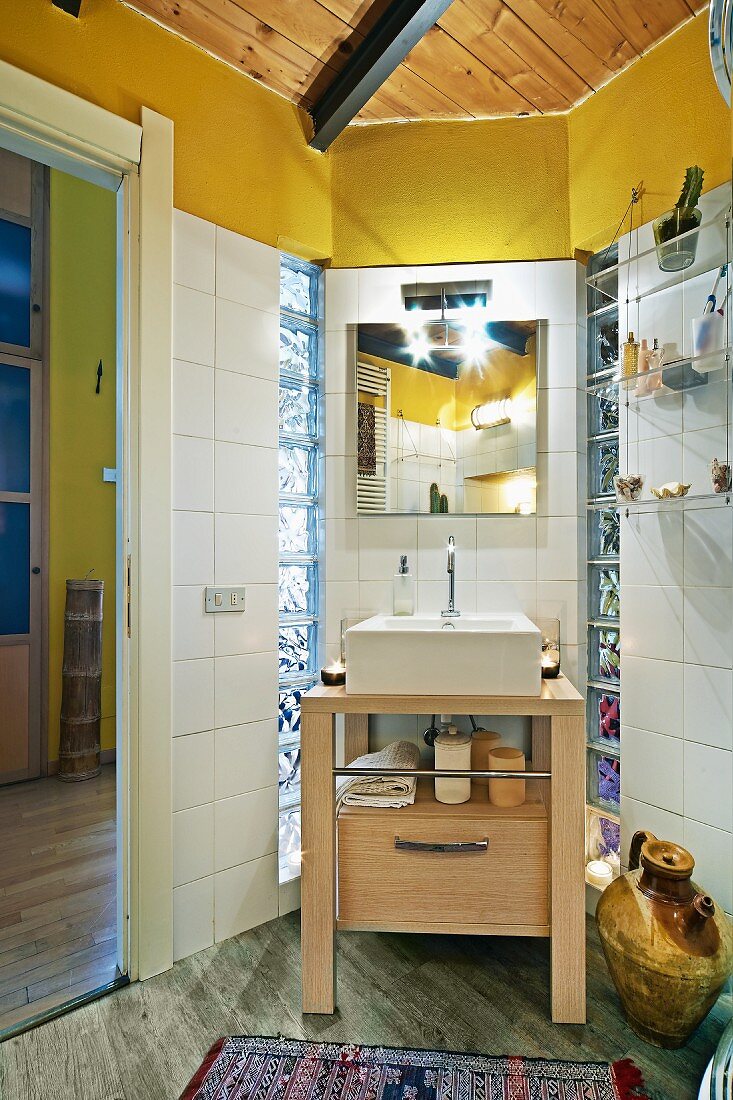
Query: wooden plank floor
[[57, 892], [144, 1042]]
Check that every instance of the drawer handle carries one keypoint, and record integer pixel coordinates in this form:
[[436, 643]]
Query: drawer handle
[[428, 846]]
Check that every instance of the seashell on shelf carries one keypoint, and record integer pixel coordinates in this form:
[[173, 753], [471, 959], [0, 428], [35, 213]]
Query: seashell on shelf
[[670, 490], [628, 486], [720, 476]]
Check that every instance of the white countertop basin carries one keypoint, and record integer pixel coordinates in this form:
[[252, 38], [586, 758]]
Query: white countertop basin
[[474, 654]]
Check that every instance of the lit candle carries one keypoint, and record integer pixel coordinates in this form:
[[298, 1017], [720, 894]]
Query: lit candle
[[550, 664], [598, 873], [334, 674]]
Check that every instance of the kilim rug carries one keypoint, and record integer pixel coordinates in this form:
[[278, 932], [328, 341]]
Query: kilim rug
[[244, 1068]]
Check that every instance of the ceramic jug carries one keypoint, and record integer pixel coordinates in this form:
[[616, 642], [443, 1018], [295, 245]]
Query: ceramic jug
[[668, 946]]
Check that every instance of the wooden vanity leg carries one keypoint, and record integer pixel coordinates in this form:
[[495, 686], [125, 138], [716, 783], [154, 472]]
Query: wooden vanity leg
[[318, 870], [567, 881], [356, 736]]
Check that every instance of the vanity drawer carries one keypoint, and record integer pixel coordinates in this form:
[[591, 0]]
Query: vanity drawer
[[505, 885]]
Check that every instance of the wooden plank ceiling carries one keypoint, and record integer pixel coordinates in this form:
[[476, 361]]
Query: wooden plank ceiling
[[483, 59]]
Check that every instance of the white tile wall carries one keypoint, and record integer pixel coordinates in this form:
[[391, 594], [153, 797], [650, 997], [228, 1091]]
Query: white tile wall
[[193, 770], [713, 852], [245, 896], [225, 489], [193, 399], [652, 768], [677, 617], [193, 917], [708, 705], [651, 621], [653, 694], [193, 547]]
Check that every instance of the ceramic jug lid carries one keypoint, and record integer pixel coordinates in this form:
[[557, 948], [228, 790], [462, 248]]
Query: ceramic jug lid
[[667, 860]]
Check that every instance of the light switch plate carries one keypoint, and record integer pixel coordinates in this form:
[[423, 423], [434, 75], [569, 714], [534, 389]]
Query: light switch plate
[[224, 599]]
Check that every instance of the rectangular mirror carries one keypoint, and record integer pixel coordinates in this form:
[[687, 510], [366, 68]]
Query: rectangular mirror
[[446, 416]]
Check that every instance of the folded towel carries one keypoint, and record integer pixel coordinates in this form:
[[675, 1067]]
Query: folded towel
[[384, 791]]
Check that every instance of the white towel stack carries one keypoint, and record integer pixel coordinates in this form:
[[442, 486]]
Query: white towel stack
[[383, 791]]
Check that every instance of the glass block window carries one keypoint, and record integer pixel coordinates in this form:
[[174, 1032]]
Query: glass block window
[[604, 539], [298, 590], [604, 657], [603, 696], [602, 467], [603, 414], [603, 838], [298, 530], [604, 717], [604, 780], [604, 595], [300, 459], [289, 843]]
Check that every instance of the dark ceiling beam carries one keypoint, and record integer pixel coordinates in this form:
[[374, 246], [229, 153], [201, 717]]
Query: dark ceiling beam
[[71, 7], [384, 47]]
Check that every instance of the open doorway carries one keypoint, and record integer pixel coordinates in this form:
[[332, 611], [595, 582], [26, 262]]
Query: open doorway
[[59, 553]]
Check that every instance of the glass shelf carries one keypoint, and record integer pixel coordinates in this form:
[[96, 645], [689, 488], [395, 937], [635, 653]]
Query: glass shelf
[[702, 500], [602, 310], [613, 380], [607, 747], [621, 283], [606, 622]]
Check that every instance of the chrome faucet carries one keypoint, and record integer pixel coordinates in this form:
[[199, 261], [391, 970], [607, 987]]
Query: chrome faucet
[[451, 613]]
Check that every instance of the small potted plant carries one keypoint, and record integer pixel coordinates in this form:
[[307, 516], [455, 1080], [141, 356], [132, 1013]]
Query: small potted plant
[[680, 221]]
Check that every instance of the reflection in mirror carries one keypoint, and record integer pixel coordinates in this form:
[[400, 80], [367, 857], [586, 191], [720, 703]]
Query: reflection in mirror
[[446, 416]]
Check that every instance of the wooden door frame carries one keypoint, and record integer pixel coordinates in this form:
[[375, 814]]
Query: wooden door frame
[[46, 123]]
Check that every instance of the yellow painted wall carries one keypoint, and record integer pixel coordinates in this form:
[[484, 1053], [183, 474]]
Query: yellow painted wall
[[533, 188], [241, 159], [82, 249], [429, 192], [648, 124], [435, 192]]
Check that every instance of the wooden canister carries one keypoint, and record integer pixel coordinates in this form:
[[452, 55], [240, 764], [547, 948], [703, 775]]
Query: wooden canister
[[79, 746], [452, 752], [482, 742], [506, 792]]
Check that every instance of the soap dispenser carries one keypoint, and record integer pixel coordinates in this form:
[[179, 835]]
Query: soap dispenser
[[403, 598], [452, 753]]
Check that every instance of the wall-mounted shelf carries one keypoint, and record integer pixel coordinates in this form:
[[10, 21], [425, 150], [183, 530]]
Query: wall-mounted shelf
[[651, 504], [638, 276], [604, 622], [627, 388]]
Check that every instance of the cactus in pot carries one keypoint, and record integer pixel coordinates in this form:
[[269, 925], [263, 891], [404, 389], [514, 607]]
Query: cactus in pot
[[680, 221]]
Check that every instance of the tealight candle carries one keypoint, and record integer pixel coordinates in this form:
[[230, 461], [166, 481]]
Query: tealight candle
[[550, 659], [550, 664], [334, 674], [598, 873]]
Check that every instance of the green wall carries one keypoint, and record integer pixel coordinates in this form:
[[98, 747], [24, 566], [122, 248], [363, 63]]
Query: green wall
[[82, 279]]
